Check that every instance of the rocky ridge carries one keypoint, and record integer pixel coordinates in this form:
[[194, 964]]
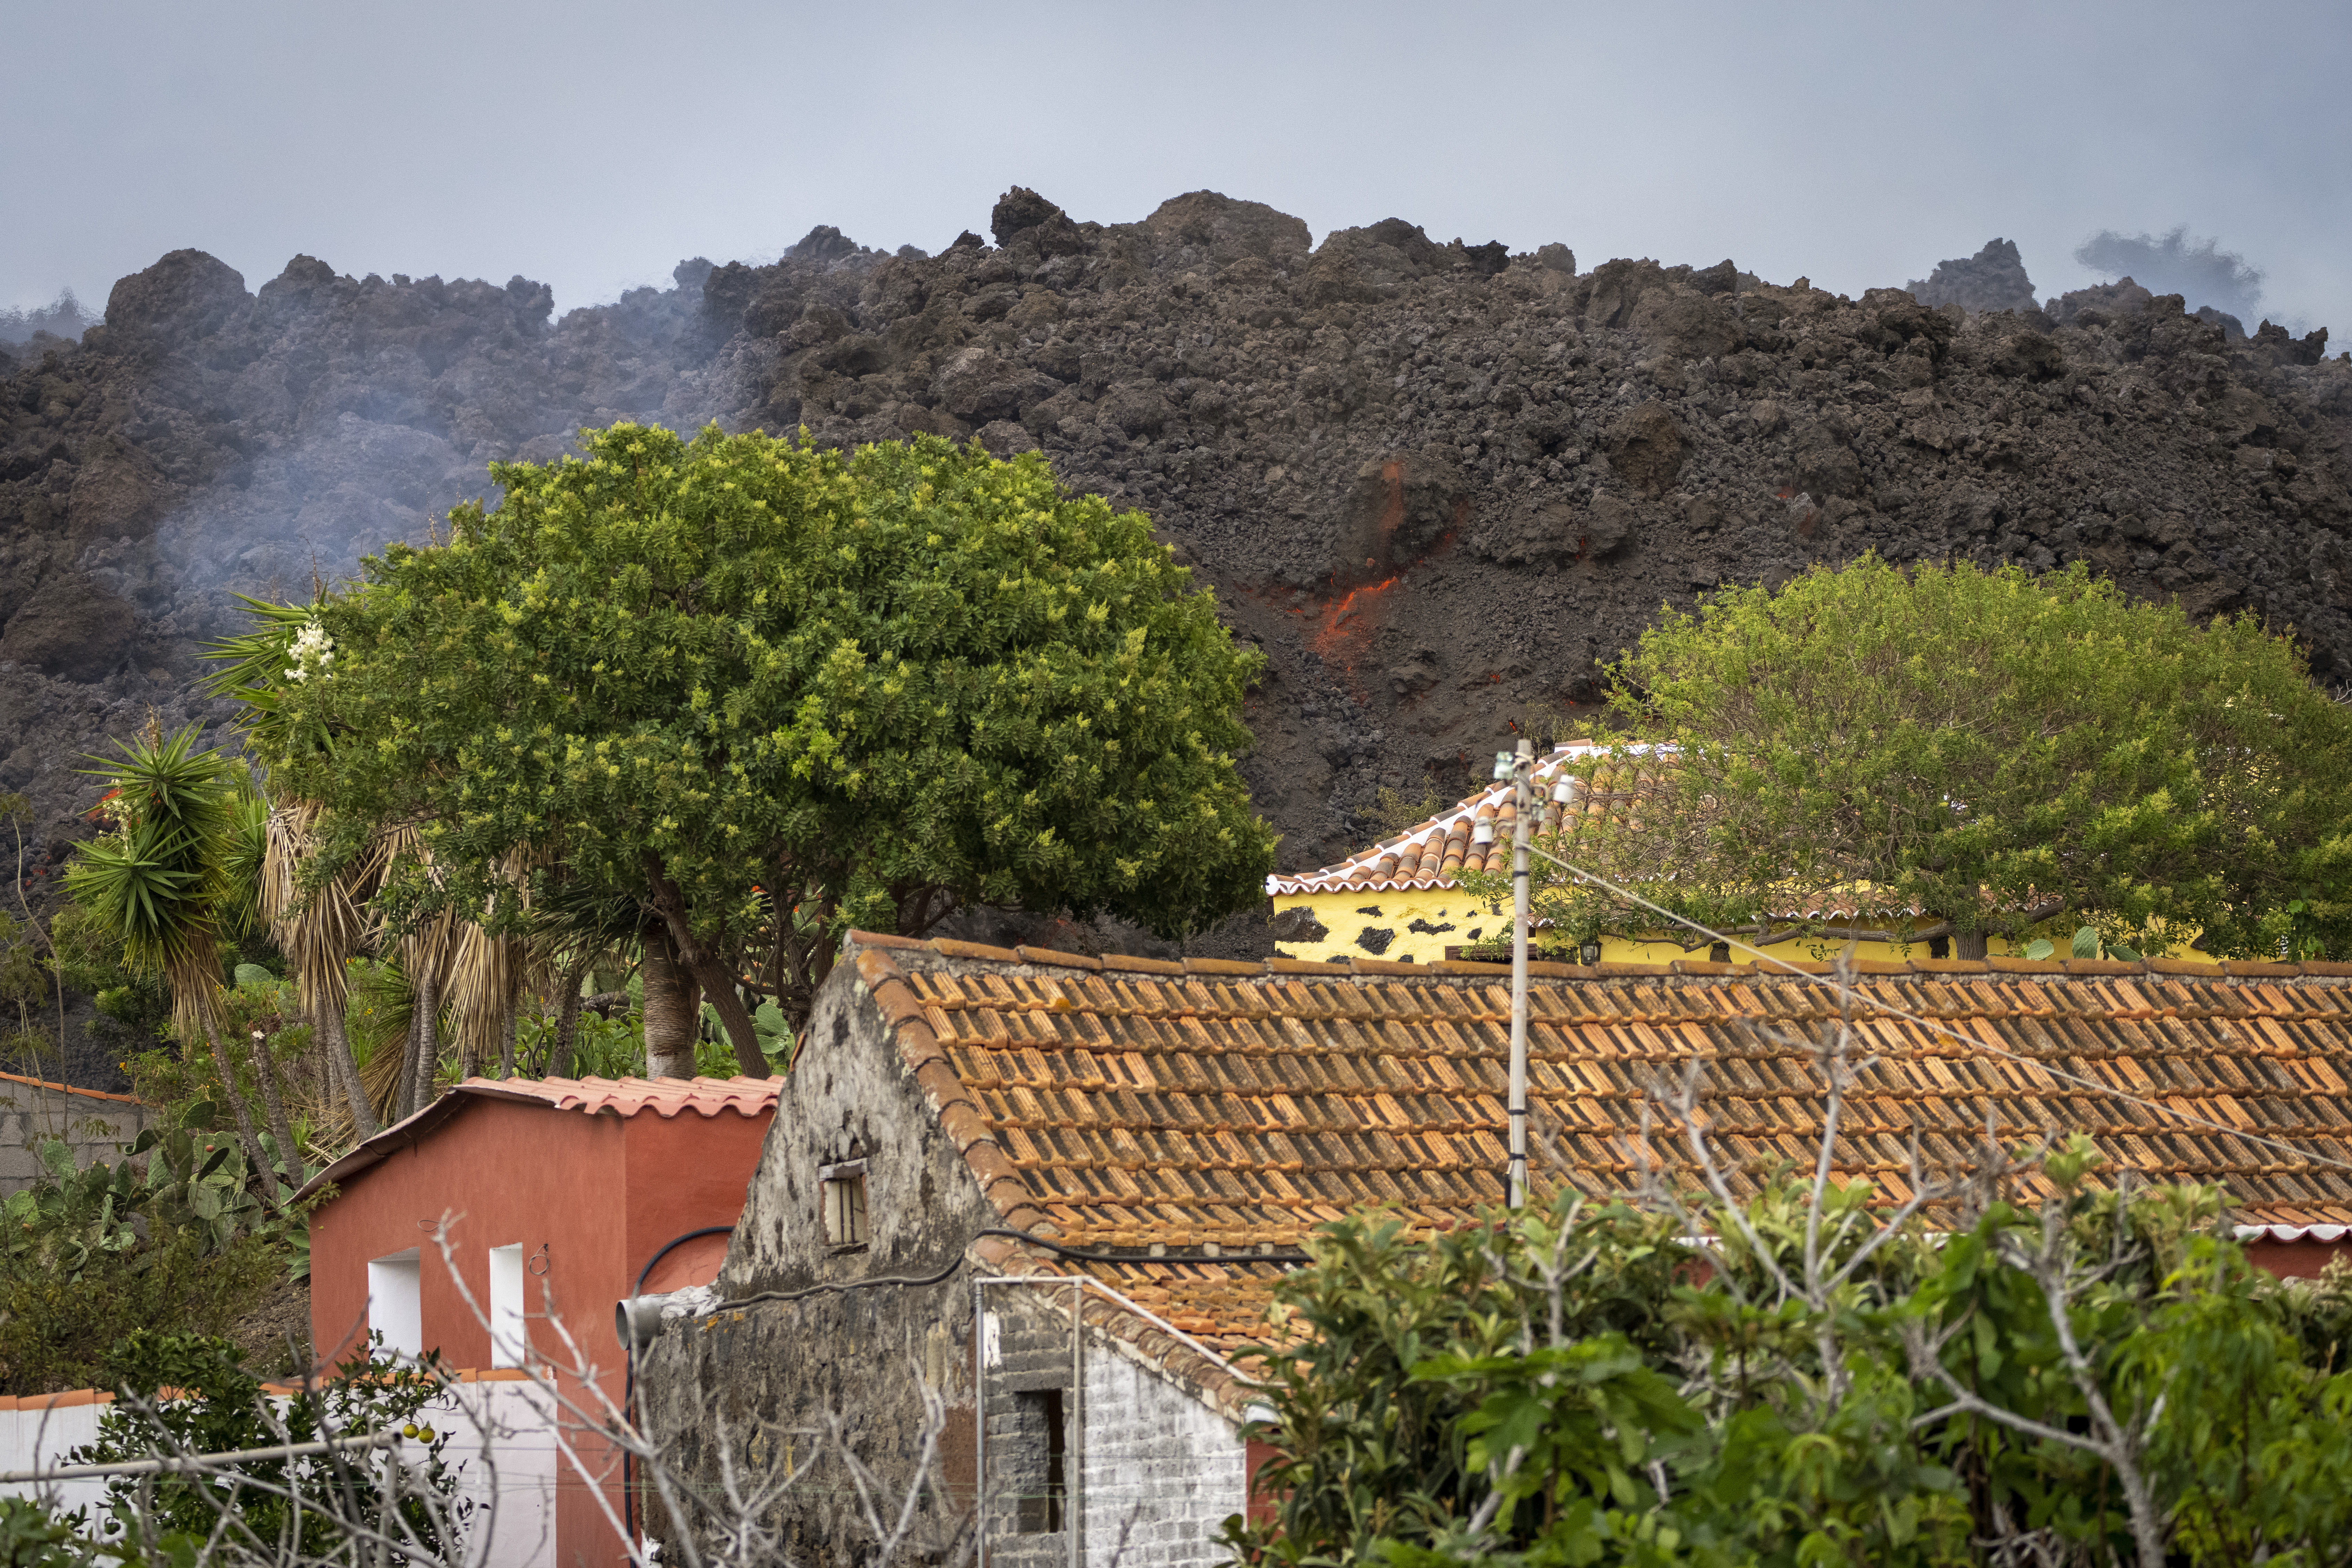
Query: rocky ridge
[[1438, 484]]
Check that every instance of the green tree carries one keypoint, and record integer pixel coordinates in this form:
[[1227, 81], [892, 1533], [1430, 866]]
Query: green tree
[[766, 691], [1989, 747], [1780, 1387]]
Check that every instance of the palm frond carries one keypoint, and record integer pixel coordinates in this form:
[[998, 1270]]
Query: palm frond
[[161, 883], [253, 673], [485, 977], [320, 930]]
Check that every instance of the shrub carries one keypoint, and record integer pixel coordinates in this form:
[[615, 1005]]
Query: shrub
[[89, 1254], [192, 1394]]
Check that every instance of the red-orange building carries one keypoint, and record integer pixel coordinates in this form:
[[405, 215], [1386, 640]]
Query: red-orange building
[[551, 1197]]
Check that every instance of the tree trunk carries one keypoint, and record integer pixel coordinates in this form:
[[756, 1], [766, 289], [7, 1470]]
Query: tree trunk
[[227, 1072], [507, 1038], [347, 1068], [1969, 944], [406, 1095], [264, 1075], [741, 1031], [429, 1044], [707, 968], [672, 1007], [567, 1021]]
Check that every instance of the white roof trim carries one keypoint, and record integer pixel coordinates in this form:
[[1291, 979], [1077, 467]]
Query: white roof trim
[[2326, 1233], [1333, 878]]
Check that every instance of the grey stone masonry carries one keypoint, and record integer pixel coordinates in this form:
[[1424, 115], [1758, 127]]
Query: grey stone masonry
[[94, 1126], [1033, 1416]]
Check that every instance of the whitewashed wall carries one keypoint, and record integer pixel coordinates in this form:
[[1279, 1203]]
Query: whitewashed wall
[[1162, 1470], [502, 1438]]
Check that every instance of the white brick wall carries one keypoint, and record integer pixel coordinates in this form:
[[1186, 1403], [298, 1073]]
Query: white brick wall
[[1158, 1465]]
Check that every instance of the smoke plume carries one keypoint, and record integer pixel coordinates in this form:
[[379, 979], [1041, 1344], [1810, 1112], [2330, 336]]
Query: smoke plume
[[64, 317], [2198, 269]]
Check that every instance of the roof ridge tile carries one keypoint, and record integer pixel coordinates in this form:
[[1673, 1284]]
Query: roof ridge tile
[[1129, 963], [1054, 959]]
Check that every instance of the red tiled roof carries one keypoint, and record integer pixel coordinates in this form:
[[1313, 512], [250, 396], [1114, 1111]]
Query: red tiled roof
[[1434, 853], [1119, 1103], [665, 1097], [70, 1088], [68, 1399]]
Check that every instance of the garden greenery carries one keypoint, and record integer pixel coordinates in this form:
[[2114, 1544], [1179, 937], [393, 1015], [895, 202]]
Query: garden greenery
[[1943, 747], [1581, 1384], [172, 1234]]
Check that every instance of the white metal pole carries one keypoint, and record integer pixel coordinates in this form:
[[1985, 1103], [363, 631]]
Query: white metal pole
[[980, 1423], [1523, 800]]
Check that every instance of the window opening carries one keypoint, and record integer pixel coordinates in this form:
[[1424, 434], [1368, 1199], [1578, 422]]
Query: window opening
[[1043, 1489], [508, 1338], [396, 1303], [842, 1194]]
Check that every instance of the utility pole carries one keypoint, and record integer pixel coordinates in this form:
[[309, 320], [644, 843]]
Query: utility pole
[[1518, 768]]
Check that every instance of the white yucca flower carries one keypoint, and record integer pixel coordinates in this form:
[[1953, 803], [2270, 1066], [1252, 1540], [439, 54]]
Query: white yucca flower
[[313, 649]]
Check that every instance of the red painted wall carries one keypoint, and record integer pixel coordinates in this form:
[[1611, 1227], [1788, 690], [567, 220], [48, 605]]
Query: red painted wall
[[588, 1197], [2303, 1259]]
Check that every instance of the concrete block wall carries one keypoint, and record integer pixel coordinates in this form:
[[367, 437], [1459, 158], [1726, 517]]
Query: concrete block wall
[[1161, 1468], [95, 1126]]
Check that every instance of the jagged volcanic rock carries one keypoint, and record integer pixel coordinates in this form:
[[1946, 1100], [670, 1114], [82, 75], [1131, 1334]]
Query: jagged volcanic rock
[[1438, 484], [1993, 279]]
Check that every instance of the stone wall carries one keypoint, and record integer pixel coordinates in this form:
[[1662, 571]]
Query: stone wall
[[95, 1126], [761, 1385], [1145, 1469]]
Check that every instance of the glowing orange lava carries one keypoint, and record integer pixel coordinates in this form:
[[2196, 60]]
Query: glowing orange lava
[[1344, 630]]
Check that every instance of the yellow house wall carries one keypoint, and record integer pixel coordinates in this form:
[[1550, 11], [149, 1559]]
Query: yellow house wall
[[1346, 914]]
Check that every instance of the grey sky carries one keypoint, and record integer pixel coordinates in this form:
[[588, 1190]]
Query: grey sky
[[590, 145]]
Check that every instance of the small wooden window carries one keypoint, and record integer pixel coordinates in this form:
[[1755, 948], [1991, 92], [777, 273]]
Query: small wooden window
[[842, 1190]]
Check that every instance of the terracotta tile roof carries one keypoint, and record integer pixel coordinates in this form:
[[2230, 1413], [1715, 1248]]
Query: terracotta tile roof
[[667, 1098], [1122, 1103], [70, 1088], [1434, 854]]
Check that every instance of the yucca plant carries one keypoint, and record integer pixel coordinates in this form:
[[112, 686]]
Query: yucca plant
[[321, 921], [164, 883], [317, 929]]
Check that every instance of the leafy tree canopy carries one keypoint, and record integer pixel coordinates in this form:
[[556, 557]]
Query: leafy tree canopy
[[1989, 747], [743, 676], [1593, 1384]]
